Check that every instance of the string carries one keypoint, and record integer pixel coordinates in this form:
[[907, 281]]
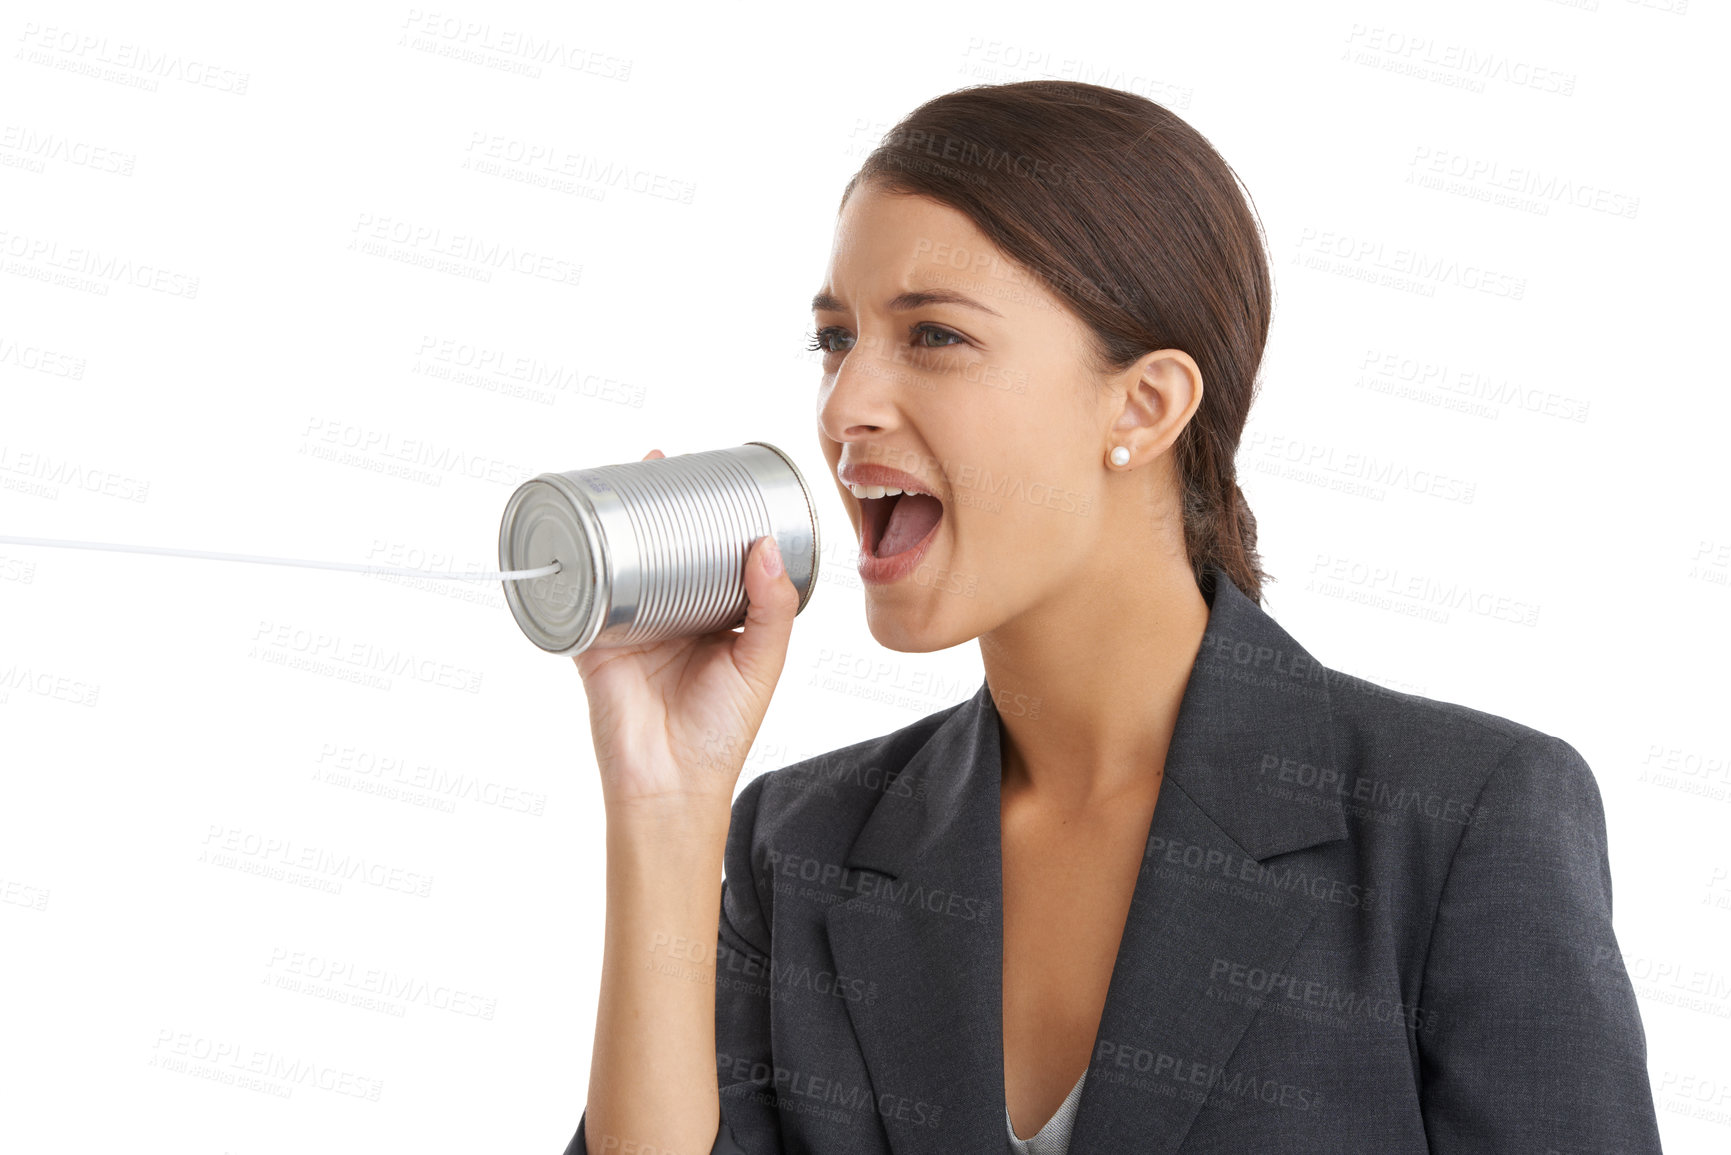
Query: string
[[502, 575]]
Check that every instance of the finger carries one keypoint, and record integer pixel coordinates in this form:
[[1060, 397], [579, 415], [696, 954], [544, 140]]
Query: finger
[[653, 454], [762, 646]]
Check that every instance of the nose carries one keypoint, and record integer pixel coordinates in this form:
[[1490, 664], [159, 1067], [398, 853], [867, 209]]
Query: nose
[[859, 399]]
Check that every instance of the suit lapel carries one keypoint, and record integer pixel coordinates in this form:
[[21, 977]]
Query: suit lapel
[[927, 930], [927, 924]]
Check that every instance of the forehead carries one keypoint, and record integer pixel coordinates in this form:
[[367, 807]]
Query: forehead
[[882, 236]]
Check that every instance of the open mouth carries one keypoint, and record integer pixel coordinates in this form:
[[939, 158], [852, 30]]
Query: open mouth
[[895, 524]]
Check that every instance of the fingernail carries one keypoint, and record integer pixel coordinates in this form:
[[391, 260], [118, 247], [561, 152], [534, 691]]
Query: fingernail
[[772, 558]]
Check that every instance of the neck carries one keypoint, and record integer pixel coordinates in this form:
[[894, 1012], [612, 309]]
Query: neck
[[1088, 688]]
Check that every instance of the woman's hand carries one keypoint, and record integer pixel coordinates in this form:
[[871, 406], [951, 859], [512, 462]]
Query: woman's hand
[[673, 720]]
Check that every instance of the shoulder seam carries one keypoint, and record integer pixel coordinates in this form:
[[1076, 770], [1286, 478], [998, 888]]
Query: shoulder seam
[[1457, 711], [1454, 856]]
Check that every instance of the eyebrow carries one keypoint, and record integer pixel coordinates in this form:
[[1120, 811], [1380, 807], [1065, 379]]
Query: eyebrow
[[827, 302]]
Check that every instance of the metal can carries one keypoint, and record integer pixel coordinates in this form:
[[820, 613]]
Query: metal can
[[652, 549]]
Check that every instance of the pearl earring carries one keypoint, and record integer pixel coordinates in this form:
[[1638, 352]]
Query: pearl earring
[[1120, 456]]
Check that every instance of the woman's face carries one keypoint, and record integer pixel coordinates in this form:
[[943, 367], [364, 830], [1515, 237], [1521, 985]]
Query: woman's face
[[985, 400]]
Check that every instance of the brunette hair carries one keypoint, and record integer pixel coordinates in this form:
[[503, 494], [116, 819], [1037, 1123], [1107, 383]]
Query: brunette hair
[[1130, 217]]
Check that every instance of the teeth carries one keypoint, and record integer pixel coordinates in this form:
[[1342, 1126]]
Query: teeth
[[864, 492]]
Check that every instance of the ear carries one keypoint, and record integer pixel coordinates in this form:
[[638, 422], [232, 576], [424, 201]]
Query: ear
[[1157, 397]]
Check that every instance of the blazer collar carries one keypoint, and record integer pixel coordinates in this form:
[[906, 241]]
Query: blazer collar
[[934, 936], [1251, 684]]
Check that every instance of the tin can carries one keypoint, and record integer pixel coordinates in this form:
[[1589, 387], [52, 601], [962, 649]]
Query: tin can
[[652, 549]]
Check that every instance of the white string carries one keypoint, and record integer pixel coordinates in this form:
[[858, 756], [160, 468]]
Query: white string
[[503, 575]]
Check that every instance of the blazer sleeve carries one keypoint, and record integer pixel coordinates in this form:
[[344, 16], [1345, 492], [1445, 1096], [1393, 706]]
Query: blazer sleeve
[[745, 1069], [1529, 1035]]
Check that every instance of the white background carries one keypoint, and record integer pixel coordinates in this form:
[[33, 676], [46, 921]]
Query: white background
[[198, 349]]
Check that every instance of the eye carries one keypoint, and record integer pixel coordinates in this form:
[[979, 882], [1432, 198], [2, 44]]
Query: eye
[[820, 340], [924, 330]]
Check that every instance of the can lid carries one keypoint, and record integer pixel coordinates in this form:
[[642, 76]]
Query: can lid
[[811, 513], [542, 524]]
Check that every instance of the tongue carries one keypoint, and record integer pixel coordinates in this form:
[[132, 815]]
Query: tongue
[[911, 519]]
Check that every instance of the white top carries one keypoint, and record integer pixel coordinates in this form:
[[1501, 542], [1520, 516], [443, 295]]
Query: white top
[[1054, 1137]]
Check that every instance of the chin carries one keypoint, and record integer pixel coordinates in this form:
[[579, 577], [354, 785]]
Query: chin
[[896, 629]]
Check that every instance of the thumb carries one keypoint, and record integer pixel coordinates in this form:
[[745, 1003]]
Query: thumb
[[761, 648]]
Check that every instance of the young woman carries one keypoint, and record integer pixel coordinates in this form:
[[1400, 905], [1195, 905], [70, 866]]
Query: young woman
[[1166, 883]]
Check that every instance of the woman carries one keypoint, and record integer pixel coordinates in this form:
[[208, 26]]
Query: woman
[[1166, 883]]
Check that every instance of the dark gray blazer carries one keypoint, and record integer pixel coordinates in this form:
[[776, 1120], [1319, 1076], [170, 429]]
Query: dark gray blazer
[[1365, 922]]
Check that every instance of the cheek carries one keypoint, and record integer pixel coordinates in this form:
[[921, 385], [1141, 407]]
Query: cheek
[[1006, 527]]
